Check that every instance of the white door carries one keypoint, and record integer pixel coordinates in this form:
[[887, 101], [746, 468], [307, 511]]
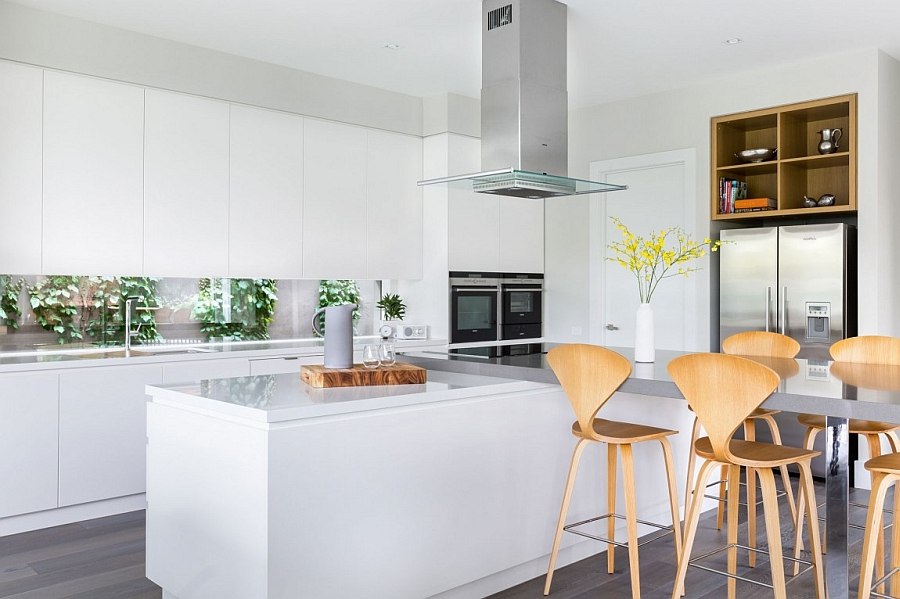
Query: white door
[[660, 194]]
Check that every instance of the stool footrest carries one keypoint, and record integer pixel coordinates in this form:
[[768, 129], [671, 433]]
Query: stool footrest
[[809, 565], [667, 530], [881, 581]]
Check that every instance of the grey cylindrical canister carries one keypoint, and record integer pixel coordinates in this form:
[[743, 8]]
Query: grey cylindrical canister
[[338, 334]]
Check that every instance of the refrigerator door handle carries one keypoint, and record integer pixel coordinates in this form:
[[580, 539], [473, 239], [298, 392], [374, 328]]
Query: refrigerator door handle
[[784, 312], [768, 307]]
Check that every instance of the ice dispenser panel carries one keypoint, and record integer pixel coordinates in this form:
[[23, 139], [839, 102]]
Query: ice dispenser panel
[[818, 321]]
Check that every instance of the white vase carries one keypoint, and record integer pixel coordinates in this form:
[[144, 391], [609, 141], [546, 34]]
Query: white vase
[[644, 348]]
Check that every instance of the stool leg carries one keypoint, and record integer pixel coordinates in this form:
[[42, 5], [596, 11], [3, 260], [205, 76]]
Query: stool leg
[[750, 435], [692, 461], [895, 544], [611, 457], [785, 476], [773, 530], [808, 441], [723, 489], [690, 527], [734, 493], [874, 452], [631, 520], [564, 509], [870, 540], [673, 499], [815, 542]]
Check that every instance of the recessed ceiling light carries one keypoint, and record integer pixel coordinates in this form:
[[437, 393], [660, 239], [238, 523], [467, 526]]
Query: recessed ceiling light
[[733, 41], [392, 46]]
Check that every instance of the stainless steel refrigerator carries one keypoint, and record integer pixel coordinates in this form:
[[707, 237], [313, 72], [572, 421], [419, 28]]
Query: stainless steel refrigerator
[[797, 280]]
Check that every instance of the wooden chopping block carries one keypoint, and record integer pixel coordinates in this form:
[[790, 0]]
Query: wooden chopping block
[[359, 376]]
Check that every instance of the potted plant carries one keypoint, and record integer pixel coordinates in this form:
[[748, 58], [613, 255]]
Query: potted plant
[[392, 308]]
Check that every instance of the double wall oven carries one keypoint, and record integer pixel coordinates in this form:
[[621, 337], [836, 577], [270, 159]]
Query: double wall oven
[[492, 306]]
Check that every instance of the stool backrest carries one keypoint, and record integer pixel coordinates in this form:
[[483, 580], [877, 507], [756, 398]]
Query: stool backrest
[[722, 391], [589, 374], [868, 349], [761, 343]]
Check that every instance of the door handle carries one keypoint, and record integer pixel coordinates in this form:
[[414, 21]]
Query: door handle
[[612, 327], [784, 312], [768, 306]]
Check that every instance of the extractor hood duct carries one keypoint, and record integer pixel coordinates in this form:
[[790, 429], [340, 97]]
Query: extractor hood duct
[[524, 104]]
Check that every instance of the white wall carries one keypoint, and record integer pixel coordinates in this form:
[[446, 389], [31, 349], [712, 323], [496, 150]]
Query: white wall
[[55, 41], [680, 119]]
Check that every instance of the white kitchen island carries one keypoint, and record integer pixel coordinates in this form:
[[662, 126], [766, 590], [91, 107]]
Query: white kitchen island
[[263, 487]]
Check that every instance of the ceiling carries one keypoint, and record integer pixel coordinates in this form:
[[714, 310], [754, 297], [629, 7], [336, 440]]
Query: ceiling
[[617, 48]]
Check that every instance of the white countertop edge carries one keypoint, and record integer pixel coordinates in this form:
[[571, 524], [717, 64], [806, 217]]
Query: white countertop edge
[[181, 398], [240, 350]]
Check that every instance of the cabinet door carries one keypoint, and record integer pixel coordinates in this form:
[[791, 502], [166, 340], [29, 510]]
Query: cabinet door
[[264, 239], [20, 168], [334, 201], [29, 420], [521, 235], [473, 218], [198, 370], [394, 237], [93, 176], [102, 432], [185, 186]]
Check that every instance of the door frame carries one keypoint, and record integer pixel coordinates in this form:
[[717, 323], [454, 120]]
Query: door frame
[[599, 170]]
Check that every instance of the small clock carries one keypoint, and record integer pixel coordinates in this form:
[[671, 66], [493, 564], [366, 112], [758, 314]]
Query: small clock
[[386, 331]]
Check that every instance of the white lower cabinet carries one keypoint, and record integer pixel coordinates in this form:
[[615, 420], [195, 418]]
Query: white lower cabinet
[[29, 421], [190, 372], [102, 432]]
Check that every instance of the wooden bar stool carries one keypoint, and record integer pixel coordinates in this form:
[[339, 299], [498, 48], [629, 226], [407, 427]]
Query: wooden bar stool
[[589, 375], [868, 349], [723, 390], [885, 472], [759, 344]]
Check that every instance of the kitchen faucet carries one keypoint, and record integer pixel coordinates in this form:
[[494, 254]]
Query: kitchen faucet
[[128, 332]]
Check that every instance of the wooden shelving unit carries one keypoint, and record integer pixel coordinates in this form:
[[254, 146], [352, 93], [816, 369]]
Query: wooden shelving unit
[[798, 169]]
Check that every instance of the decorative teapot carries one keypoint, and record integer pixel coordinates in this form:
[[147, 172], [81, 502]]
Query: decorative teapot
[[830, 139]]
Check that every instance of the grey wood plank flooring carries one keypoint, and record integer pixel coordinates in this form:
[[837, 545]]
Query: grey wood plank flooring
[[588, 577], [94, 559]]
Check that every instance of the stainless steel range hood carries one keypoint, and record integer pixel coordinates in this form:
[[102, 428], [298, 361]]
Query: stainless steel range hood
[[524, 104]]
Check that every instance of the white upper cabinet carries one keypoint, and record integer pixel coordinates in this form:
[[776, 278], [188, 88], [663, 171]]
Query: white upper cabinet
[[394, 234], [474, 218], [20, 168], [334, 201], [185, 186], [521, 235], [93, 176], [265, 234]]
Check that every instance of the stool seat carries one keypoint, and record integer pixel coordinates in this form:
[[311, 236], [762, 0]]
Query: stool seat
[[755, 454], [856, 427], [888, 463], [617, 433]]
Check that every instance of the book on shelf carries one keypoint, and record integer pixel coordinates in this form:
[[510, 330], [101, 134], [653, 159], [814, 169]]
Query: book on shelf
[[730, 191], [757, 209], [755, 203]]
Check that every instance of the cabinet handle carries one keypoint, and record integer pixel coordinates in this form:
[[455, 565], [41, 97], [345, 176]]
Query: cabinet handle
[[612, 327]]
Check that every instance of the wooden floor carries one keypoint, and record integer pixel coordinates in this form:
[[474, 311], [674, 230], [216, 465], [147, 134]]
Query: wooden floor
[[588, 578], [104, 559], [95, 559]]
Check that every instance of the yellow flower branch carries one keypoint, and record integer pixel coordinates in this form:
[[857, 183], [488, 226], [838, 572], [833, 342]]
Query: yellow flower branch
[[651, 260]]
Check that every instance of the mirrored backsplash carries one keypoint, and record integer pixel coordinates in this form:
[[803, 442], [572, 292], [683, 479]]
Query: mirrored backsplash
[[72, 311]]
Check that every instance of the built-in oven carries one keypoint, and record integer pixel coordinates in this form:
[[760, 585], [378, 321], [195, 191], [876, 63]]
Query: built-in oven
[[521, 305], [474, 306]]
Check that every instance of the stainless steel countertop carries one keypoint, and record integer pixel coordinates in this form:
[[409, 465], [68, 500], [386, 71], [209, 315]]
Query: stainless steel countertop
[[810, 386]]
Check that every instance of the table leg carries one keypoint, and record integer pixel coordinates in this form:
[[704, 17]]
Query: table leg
[[837, 496]]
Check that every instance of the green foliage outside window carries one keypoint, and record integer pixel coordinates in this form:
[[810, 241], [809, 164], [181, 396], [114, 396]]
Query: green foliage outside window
[[236, 309], [9, 300]]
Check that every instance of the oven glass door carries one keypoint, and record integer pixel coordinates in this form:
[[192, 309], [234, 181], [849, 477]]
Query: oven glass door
[[474, 314], [521, 305]]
